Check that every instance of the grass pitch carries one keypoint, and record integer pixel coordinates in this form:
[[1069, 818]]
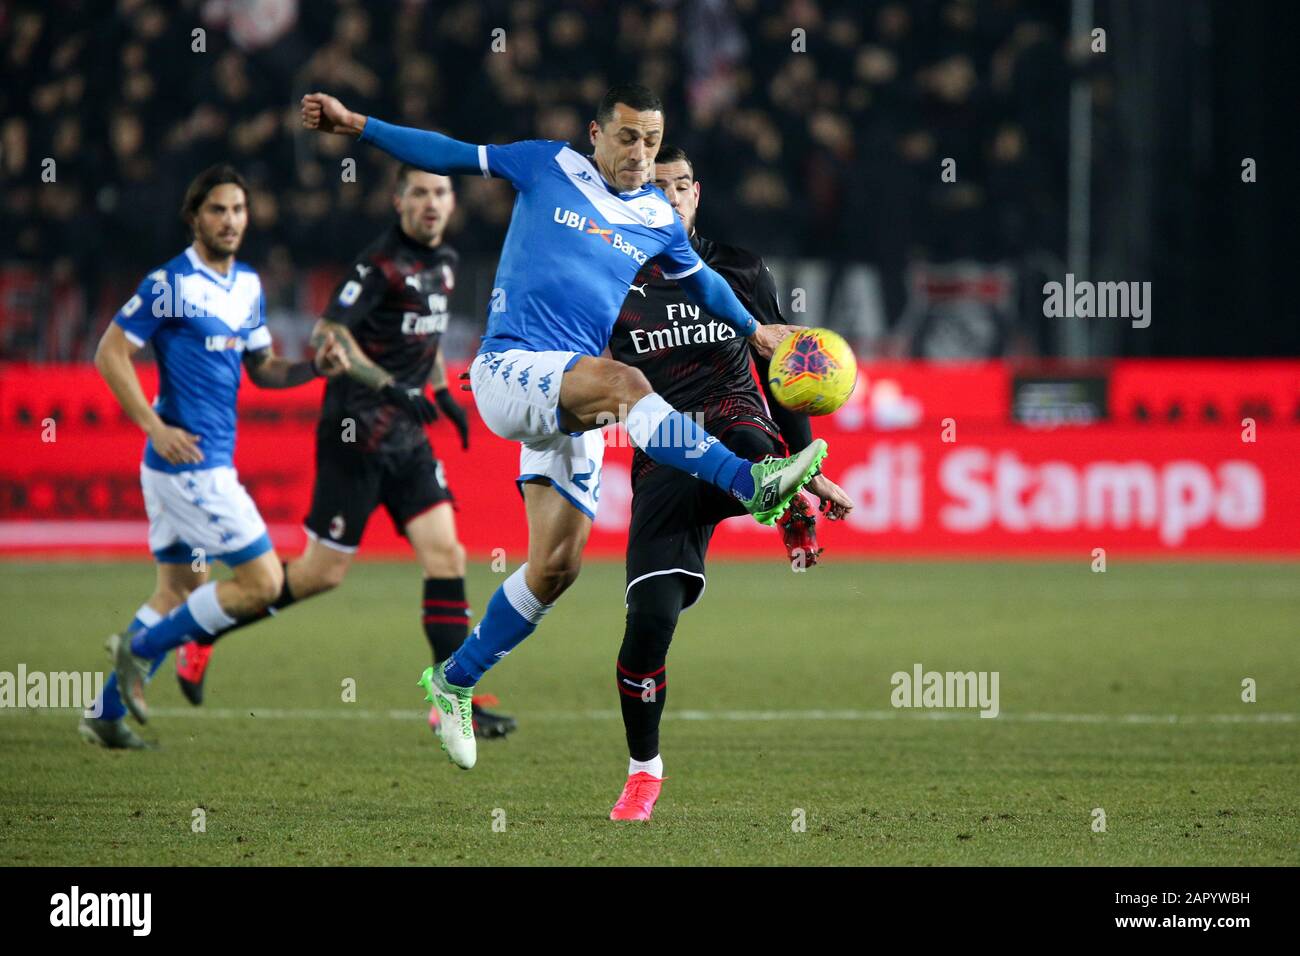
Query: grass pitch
[[1119, 691]]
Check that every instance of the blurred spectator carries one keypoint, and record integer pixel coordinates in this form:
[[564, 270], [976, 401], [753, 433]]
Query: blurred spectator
[[828, 146]]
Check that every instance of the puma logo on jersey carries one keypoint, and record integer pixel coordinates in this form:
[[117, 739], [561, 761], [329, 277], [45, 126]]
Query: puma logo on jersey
[[364, 271], [637, 288]]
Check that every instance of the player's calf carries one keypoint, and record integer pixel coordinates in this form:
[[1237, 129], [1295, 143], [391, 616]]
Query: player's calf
[[641, 675]]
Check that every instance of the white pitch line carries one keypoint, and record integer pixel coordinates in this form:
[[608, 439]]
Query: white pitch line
[[738, 716]]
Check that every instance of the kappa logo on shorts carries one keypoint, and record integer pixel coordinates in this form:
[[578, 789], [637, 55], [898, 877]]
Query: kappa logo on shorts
[[523, 377], [580, 478], [505, 372], [337, 526], [544, 384]]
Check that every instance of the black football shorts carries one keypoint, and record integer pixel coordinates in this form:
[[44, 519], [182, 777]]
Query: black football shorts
[[674, 515], [351, 483]]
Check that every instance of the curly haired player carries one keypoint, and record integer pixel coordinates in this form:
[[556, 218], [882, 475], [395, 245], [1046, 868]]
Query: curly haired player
[[388, 314], [203, 313]]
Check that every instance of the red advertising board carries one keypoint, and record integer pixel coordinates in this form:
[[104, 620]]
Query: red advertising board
[[928, 452]]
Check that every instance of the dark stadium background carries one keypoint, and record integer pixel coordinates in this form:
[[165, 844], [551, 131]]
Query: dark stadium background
[[830, 155], [819, 130]]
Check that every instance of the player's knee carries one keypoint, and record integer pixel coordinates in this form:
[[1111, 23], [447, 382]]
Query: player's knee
[[445, 561], [630, 384], [751, 444], [263, 585], [455, 558], [329, 577], [649, 632]]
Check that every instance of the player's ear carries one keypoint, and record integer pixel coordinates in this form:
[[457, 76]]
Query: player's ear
[[592, 128], [696, 186]]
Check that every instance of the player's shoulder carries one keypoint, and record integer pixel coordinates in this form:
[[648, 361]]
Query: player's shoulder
[[538, 150], [653, 206], [243, 272], [180, 264], [541, 146], [725, 257], [158, 279], [379, 247], [656, 194]]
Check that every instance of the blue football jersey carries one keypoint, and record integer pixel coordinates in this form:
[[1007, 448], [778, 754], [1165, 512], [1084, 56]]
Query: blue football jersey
[[573, 248], [199, 323]]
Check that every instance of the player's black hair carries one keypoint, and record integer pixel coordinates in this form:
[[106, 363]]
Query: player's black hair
[[405, 170], [675, 154], [639, 97], [204, 183]]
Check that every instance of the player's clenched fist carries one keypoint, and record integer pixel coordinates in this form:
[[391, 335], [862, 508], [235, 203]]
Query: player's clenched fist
[[323, 112], [176, 445]]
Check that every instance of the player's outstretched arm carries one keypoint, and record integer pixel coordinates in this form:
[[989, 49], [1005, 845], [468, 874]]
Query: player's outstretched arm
[[756, 289], [268, 370], [711, 292], [113, 360], [358, 364], [361, 368], [432, 152]]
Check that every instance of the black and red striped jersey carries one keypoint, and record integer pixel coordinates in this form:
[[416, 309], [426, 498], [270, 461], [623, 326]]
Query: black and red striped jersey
[[394, 301], [697, 362]]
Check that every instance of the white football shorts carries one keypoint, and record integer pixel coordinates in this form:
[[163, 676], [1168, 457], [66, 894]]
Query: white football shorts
[[204, 513], [518, 396]]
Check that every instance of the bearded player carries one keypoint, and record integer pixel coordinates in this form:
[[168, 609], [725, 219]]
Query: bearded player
[[581, 228], [388, 315], [700, 366], [203, 313]]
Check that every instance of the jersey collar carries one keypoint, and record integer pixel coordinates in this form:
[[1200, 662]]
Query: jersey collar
[[225, 281], [418, 248], [610, 187]]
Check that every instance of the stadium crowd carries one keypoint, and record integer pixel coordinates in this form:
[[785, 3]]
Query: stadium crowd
[[818, 127]]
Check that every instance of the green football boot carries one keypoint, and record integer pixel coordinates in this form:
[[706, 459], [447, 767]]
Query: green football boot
[[778, 480], [456, 724]]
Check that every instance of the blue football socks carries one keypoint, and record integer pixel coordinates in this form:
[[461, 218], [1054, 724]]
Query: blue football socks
[[109, 705], [512, 614], [201, 613], [671, 438]]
